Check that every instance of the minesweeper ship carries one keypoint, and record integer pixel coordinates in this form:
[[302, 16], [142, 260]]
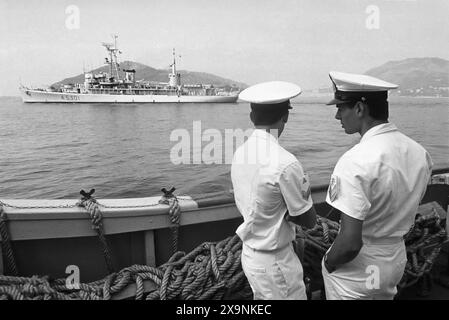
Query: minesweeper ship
[[110, 88]]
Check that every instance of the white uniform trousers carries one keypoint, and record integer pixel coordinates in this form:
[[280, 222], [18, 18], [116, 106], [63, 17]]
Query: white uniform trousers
[[372, 275], [274, 275]]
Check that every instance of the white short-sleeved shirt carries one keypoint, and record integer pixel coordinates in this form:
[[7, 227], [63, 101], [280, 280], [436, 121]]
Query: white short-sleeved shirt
[[381, 181], [268, 180]]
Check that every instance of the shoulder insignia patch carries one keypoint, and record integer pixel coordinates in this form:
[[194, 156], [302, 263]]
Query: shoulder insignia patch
[[305, 188], [334, 188]]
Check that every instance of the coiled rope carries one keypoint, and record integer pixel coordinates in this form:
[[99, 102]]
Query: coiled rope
[[426, 232], [210, 271]]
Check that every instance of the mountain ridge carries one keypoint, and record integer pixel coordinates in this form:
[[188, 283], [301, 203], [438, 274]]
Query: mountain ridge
[[416, 77], [423, 76], [147, 73]]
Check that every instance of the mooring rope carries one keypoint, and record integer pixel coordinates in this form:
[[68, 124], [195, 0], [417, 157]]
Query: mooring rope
[[426, 231], [90, 204], [211, 271], [174, 214], [6, 244]]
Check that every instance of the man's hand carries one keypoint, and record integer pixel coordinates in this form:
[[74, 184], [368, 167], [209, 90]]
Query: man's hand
[[348, 242], [328, 267], [298, 244]]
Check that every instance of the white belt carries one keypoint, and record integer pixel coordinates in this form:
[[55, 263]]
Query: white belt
[[380, 241], [265, 250]]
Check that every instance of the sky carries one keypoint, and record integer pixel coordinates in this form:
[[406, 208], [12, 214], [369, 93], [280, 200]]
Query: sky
[[250, 41]]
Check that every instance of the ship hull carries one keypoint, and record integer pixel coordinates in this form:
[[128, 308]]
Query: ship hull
[[38, 96]]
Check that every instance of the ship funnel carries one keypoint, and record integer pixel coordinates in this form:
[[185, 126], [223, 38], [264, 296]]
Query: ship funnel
[[88, 78]]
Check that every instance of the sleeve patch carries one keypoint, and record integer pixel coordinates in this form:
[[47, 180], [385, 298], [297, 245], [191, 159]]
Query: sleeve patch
[[305, 187], [334, 188]]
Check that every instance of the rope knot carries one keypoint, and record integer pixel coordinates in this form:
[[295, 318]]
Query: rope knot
[[171, 200], [88, 202], [3, 216], [174, 213]]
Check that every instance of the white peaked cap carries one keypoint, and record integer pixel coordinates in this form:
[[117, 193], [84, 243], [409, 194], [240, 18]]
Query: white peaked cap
[[350, 82], [270, 92]]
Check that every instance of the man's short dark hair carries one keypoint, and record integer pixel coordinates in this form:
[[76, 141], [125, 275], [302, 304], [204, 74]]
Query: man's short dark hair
[[265, 118], [267, 114], [377, 109]]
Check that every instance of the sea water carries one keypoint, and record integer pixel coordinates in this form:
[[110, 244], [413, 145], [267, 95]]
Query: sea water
[[51, 151]]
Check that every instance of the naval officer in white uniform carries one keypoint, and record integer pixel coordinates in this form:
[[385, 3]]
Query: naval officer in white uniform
[[271, 192], [377, 187]]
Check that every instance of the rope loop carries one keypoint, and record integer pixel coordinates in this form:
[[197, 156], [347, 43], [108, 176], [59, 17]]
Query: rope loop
[[89, 203], [174, 213], [6, 244]]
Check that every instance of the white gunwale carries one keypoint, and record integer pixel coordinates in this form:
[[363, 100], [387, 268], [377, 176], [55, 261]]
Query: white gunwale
[[33, 224]]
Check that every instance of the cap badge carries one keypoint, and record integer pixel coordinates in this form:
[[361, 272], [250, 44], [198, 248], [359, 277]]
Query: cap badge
[[334, 188]]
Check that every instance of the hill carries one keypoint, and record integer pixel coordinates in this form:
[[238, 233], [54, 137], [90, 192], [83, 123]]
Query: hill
[[416, 76], [160, 75]]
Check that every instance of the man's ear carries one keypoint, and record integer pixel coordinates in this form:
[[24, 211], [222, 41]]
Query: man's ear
[[285, 117], [251, 116], [361, 109]]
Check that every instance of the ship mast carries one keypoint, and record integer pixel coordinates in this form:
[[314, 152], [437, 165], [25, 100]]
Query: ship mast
[[173, 66], [112, 50], [173, 77]]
